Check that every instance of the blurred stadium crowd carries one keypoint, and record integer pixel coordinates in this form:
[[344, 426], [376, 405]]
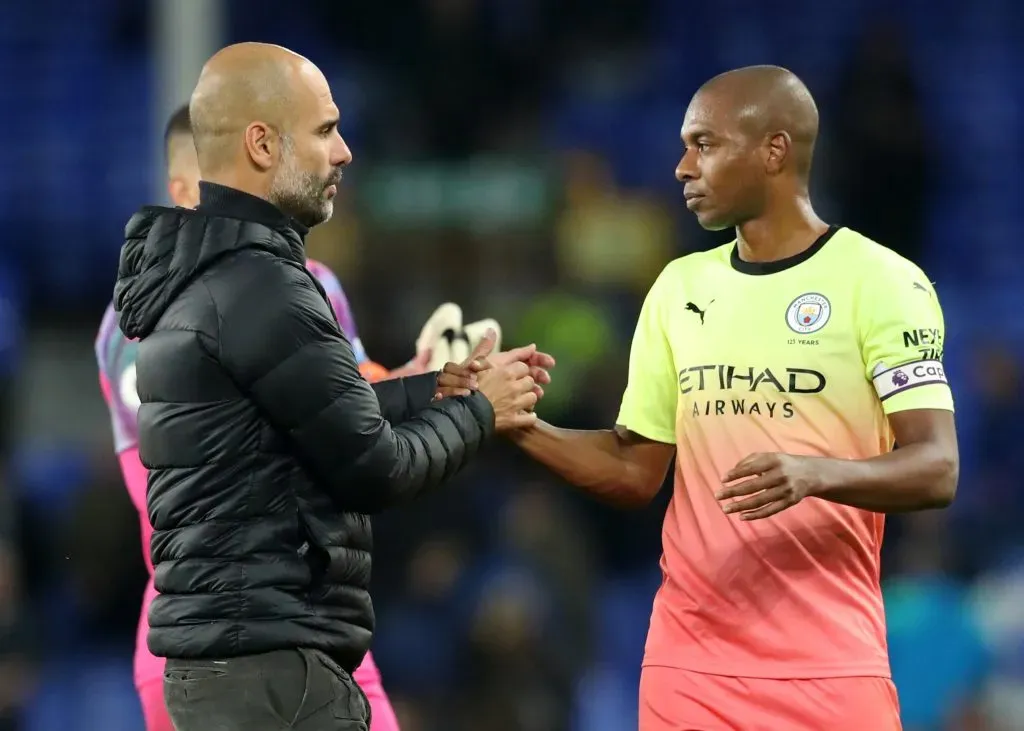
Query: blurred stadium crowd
[[515, 156]]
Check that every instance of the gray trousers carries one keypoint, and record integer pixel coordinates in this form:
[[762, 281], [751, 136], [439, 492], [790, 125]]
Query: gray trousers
[[299, 689]]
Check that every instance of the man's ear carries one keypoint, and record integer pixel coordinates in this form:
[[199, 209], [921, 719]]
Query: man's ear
[[182, 194], [175, 188], [261, 142], [777, 152]]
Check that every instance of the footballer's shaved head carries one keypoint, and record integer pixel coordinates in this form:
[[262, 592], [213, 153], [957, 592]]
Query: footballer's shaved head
[[180, 158], [749, 136], [767, 100], [177, 132], [264, 122]]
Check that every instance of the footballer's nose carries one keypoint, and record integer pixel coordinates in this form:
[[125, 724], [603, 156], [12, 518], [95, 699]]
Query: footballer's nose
[[685, 169]]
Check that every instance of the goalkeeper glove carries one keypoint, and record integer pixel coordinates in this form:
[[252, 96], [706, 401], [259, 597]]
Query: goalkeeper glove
[[447, 339]]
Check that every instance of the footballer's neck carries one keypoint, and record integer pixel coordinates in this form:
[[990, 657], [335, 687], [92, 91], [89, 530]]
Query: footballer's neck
[[786, 228]]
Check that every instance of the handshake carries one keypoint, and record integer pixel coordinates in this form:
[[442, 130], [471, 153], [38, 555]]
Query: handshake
[[468, 358]]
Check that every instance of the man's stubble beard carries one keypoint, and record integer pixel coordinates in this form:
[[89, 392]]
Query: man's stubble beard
[[300, 193]]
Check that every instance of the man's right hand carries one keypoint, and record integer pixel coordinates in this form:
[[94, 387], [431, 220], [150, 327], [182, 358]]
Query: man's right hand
[[510, 389], [509, 386]]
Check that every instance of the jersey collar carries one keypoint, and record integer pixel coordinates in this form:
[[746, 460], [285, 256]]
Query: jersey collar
[[779, 265]]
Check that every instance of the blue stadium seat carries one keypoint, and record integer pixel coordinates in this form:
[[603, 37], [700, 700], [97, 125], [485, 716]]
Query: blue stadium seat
[[85, 695], [50, 475], [624, 613]]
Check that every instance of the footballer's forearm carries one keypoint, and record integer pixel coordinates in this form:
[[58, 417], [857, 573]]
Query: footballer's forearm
[[604, 463], [918, 476]]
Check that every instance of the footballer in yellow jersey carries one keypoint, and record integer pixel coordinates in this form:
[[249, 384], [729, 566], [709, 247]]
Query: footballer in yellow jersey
[[779, 371], [832, 346]]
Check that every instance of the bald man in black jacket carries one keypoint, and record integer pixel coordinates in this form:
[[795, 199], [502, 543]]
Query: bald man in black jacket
[[266, 448]]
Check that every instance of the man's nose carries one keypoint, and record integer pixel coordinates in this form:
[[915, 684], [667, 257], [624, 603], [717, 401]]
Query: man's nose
[[342, 154], [685, 169]]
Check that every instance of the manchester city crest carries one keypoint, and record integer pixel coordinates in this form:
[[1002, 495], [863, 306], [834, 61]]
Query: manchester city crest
[[808, 313]]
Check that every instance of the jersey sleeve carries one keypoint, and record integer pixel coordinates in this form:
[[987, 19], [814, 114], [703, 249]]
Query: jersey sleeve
[[340, 305], [649, 403], [902, 334], [115, 357]]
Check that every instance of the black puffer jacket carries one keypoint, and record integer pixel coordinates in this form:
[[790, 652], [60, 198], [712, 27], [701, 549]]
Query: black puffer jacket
[[266, 449]]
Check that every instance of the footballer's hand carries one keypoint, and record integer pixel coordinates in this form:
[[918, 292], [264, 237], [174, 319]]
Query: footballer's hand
[[764, 484], [475, 332], [483, 358], [539, 363], [480, 358], [510, 389]]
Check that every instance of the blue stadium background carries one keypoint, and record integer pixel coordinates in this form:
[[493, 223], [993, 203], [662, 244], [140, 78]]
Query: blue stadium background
[[516, 156]]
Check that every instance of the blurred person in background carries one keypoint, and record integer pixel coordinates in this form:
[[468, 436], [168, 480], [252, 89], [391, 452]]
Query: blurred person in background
[[879, 124], [538, 529], [15, 677], [992, 538], [282, 368], [530, 632], [519, 682], [989, 515], [997, 598], [116, 355], [458, 85], [15, 646], [936, 647], [607, 236], [778, 367]]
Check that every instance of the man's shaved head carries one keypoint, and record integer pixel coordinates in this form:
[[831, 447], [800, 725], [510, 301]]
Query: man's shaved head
[[182, 166], [770, 99], [240, 84], [749, 133], [263, 120], [177, 129]]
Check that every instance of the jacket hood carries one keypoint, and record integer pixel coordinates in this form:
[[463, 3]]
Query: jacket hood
[[165, 249]]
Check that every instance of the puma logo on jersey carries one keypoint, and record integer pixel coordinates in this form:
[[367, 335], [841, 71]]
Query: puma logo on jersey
[[691, 307]]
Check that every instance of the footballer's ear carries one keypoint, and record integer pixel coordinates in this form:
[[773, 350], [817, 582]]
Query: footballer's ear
[[475, 332], [777, 152]]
